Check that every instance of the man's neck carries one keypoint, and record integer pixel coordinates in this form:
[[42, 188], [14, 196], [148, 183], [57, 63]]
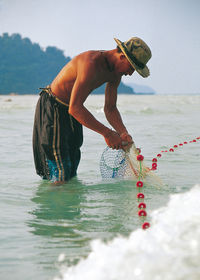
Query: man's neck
[[110, 69], [109, 60]]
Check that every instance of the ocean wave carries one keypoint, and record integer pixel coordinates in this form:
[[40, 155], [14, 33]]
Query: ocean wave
[[127, 104], [17, 102], [169, 250]]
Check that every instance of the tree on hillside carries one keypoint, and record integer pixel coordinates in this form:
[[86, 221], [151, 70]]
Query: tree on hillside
[[25, 66]]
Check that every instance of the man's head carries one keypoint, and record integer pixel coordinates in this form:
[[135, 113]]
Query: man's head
[[122, 65], [137, 53]]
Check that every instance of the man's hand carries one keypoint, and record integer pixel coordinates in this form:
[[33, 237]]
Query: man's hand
[[127, 141], [113, 140]]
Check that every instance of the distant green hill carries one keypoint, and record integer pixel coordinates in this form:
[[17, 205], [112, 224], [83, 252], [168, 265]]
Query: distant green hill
[[25, 66]]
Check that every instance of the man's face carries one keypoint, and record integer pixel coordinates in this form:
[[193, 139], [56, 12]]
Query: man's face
[[124, 66]]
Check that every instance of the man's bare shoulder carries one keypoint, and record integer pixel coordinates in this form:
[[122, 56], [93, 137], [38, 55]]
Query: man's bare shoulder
[[87, 64], [93, 62], [90, 54], [88, 58]]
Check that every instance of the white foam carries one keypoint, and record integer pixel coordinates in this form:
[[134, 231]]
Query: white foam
[[169, 250]]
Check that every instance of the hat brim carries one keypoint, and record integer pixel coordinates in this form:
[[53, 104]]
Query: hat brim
[[144, 72]]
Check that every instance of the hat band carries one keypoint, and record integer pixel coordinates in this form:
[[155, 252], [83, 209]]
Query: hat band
[[134, 59]]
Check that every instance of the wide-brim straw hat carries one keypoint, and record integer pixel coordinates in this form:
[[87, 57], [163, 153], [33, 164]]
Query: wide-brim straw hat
[[138, 54]]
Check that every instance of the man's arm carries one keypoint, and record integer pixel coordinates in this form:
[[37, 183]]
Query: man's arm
[[81, 90], [112, 114], [77, 109]]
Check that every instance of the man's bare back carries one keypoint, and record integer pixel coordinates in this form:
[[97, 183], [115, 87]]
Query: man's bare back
[[93, 63]]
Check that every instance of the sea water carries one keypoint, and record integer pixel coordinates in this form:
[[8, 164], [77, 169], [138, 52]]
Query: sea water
[[89, 227]]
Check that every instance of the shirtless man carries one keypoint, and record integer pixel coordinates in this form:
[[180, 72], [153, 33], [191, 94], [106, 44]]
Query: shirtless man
[[60, 111]]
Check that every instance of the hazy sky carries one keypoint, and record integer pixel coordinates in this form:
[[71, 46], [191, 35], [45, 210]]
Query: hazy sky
[[169, 27]]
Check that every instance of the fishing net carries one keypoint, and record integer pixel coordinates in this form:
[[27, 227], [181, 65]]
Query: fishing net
[[121, 164], [113, 163]]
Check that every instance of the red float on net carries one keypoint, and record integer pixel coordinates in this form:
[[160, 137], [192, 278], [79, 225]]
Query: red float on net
[[146, 225], [140, 157], [140, 196], [142, 213], [142, 205], [154, 165], [139, 184]]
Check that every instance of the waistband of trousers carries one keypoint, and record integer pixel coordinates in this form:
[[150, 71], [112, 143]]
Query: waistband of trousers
[[49, 91]]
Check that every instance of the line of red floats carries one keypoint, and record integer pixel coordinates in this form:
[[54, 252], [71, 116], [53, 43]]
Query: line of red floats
[[142, 206]]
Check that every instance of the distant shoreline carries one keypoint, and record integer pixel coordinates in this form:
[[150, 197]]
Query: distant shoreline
[[133, 94], [18, 94]]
